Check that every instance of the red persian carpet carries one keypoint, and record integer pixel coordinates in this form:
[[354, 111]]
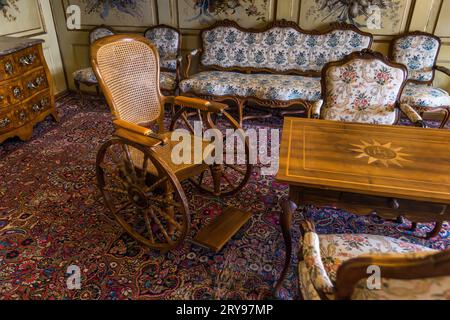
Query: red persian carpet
[[52, 216]]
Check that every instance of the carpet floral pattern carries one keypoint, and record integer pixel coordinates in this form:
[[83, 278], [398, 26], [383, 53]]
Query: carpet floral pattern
[[52, 217]]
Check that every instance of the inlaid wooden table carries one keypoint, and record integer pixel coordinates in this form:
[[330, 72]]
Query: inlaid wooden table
[[388, 170]]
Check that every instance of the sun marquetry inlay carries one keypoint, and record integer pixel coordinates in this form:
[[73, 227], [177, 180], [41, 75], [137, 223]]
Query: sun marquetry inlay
[[378, 152]]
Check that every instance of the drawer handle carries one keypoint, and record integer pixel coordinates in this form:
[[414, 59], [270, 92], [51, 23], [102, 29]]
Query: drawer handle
[[17, 92], [2, 97], [34, 85], [4, 122], [394, 204], [22, 115], [9, 68], [36, 107], [44, 102], [27, 60]]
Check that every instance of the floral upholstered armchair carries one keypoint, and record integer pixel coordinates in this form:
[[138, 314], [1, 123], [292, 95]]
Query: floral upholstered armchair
[[340, 266], [168, 42], [364, 87], [418, 51], [86, 76]]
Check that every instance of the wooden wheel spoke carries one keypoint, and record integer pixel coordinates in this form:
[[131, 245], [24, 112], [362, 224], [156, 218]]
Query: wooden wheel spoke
[[165, 202], [149, 226], [186, 121], [200, 179], [144, 168], [161, 227], [152, 188], [236, 168], [170, 219], [123, 205], [128, 163]]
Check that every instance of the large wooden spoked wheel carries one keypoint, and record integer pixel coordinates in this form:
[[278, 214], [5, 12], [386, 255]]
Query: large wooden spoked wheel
[[223, 179], [151, 207]]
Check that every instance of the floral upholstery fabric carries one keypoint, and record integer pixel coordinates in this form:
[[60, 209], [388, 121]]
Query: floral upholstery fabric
[[87, 75], [279, 49], [324, 254], [166, 41], [362, 90], [261, 86], [425, 96], [418, 54], [99, 33], [167, 81]]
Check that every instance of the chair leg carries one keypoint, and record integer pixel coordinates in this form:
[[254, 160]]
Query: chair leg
[[78, 87], [433, 233], [288, 208], [445, 119]]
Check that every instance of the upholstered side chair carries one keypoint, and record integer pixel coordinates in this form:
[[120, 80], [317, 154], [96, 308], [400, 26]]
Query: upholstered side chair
[[418, 51], [168, 42], [86, 76], [346, 266], [364, 87]]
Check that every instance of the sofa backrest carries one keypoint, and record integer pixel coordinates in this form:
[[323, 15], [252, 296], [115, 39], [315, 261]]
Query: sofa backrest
[[418, 51], [282, 47]]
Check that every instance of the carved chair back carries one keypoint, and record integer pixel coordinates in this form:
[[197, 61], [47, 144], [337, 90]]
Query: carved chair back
[[364, 87], [168, 42], [100, 32], [282, 47], [127, 68], [418, 51]]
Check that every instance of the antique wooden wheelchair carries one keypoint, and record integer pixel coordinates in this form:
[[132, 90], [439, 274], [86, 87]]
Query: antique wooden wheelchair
[[139, 182]]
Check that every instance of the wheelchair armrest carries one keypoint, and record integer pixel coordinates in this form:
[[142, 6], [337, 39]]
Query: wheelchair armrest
[[200, 104], [129, 130], [443, 69], [315, 109], [412, 115]]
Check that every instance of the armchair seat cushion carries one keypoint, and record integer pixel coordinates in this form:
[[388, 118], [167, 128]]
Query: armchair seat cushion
[[260, 86], [336, 248], [87, 75], [169, 63], [420, 95]]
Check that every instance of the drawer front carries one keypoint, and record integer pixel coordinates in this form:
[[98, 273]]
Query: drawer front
[[4, 96], [27, 59], [34, 82], [6, 121], [8, 68], [38, 104]]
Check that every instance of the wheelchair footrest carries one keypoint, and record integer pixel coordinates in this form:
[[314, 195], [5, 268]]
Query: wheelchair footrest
[[215, 235]]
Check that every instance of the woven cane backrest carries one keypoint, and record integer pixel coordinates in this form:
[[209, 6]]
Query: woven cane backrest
[[128, 70]]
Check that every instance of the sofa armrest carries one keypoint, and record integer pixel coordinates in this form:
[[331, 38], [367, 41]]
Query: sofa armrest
[[443, 69], [313, 260], [314, 112], [200, 104], [412, 115], [136, 133], [189, 58]]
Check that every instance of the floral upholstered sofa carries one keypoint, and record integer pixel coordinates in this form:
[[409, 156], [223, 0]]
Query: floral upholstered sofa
[[278, 66], [418, 51]]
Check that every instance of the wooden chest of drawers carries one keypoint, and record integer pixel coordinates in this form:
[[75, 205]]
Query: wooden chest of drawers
[[26, 87]]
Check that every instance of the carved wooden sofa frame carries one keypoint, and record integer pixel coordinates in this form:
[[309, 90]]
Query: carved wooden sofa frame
[[241, 101]]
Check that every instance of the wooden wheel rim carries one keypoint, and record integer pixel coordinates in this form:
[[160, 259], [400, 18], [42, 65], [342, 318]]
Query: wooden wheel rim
[[142, 202]]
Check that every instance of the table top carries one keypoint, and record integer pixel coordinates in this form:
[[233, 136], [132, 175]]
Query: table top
[[391, 161], [9, 45]]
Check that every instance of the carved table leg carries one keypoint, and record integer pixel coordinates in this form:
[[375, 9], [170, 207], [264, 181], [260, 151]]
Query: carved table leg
[[288, 208], [435, 231]]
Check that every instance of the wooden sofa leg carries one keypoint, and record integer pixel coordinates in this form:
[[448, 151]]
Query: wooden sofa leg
[[445, 119], [78, 87], [241, 105]]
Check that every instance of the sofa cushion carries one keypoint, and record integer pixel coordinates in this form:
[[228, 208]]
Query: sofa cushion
[[333, 249], [279, 48], [362, 90], [87, 76], [425, 96], [261, 86], [418, 54]]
